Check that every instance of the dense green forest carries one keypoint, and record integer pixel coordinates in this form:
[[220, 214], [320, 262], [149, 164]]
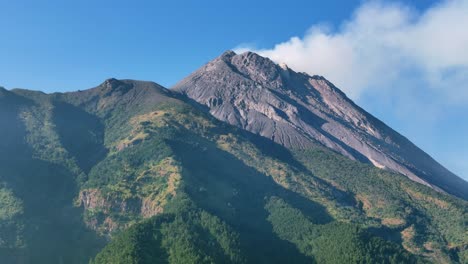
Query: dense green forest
[[129, 173]]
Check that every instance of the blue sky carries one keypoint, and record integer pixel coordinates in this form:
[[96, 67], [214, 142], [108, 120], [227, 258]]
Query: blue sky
[[70, 45]]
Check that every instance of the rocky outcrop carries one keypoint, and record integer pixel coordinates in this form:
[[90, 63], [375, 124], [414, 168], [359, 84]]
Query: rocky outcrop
[[92, 199], [298, 111], [100, 210]]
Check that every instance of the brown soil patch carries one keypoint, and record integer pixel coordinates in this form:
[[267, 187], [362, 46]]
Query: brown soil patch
[[419, 196], [393, 221]]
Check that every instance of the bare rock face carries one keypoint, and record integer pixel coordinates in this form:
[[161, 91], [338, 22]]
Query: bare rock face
[[297, 110], [101, 210]]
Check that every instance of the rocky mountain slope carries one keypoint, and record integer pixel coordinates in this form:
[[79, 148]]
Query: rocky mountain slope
[[296, 110], [131, 172]]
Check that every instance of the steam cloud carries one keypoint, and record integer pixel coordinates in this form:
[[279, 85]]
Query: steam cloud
[[408, 66], [383, 45]]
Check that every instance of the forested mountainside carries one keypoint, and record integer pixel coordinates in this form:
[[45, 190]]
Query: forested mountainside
[[131, 172]]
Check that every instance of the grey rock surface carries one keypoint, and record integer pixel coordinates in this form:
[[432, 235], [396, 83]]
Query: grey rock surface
[[297, 110]]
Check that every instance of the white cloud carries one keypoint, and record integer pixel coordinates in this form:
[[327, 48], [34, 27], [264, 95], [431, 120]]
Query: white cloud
[[388, 47], [410, 68]]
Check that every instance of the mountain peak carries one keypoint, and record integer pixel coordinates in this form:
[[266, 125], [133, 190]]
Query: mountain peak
[[297, 111], [110, 81], [227, 55], [121, 87], [112, 84], [248, 58], [244, 58]]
